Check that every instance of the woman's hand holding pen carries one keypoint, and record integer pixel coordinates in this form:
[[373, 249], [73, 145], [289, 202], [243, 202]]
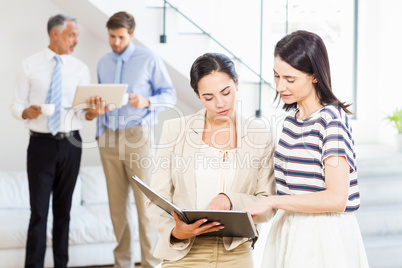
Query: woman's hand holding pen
[[185, 231]]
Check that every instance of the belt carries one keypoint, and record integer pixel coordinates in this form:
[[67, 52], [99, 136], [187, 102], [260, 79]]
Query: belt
[[58, 136]]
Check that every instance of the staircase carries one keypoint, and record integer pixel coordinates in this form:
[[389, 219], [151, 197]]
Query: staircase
[[380, 214]]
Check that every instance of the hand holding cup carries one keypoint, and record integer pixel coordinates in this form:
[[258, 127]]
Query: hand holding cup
[[47, 109]]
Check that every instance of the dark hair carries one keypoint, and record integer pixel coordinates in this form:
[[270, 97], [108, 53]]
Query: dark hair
[[306, 52], [121, 19], [209, 63], [57, 21]]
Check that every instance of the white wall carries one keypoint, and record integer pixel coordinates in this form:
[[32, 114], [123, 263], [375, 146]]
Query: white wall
[[379, 70], [389, 89]]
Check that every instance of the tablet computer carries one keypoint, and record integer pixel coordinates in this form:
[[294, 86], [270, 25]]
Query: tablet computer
[[236, 223], [113, 94]]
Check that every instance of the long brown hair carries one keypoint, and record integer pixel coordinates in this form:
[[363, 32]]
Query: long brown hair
[[306, 52]]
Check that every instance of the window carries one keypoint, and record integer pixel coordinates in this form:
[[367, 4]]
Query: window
[[333, 21], [236, 25]]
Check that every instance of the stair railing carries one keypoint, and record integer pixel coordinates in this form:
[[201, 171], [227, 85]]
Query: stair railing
[[163, 39]]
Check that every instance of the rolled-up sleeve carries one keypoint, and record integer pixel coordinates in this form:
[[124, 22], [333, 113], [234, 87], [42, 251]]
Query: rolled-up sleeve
[[164, 94]]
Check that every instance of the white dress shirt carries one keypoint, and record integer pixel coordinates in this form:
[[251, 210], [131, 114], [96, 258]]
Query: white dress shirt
[[33, 83]]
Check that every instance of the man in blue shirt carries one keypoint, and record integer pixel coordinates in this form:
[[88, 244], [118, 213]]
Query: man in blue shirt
[[125, 135]]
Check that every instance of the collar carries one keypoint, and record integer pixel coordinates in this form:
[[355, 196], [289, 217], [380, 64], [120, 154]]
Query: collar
[[315, 115], [198, 121], [50, 55], [126, 53]]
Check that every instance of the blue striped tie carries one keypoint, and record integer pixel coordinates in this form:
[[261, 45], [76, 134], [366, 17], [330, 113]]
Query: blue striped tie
[[54, 96], [117, 80]]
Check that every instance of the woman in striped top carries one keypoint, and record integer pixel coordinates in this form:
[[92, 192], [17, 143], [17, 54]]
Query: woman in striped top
[[315, 166]]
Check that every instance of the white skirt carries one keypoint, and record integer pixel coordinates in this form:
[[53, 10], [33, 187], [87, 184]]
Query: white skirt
[[322, 240]]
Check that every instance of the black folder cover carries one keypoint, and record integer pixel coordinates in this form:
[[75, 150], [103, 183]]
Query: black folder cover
[[237, 223]]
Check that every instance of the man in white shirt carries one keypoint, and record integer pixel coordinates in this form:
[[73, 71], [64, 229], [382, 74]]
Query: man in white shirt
[[54, 152]]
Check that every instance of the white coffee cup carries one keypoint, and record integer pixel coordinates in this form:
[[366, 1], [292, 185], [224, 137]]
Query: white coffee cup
[[47, 108], [124, 101]]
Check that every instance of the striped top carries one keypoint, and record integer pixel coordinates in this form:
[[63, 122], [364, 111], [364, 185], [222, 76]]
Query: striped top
[[303, 147]]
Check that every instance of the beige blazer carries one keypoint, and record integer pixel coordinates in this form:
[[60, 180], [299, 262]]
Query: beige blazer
[[177, 159]]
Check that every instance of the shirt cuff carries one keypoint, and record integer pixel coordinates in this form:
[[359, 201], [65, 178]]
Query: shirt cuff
[[151, 100]]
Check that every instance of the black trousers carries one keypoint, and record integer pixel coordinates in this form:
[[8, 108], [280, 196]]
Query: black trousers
[[53, 167]]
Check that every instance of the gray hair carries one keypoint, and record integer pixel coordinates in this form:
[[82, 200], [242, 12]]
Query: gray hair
[[58, 22]]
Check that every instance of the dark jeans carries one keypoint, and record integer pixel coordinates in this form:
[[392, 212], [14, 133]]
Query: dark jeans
[[53, 167]]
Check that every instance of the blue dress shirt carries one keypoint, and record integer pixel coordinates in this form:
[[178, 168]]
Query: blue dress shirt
[[146, 75]]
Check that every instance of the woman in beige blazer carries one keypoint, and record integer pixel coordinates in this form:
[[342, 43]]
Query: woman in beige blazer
[[214, 159]]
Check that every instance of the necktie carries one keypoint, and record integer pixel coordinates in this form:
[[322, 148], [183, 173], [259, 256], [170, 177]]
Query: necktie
[[117, 79], [54, 96]]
